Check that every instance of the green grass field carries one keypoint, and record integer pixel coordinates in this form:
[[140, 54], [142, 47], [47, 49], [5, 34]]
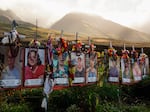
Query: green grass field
[[42, 35]]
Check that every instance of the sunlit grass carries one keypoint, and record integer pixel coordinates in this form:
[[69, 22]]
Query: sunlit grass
[[42, 35]]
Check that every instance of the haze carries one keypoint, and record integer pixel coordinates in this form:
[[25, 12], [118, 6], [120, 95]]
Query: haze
[[131, 13]]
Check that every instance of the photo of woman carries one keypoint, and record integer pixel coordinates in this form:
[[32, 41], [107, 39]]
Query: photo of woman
[[144, 64], [137, 74], [10, 71], [11, 74], [60, 68], [126, 73], [79, 67], [126, 70], [91, 71], [34, 66], [114, 70]]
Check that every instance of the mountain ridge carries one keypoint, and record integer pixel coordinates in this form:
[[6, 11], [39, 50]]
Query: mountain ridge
[[103, 38], [97, 26], [7, 16]]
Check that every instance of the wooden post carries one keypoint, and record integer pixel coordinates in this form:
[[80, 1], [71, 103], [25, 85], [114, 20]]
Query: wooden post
[[61, 34], [124, 46], [89, 41], [133, 48], [35, 38], [76, 37], [142, 51], [110, 44]]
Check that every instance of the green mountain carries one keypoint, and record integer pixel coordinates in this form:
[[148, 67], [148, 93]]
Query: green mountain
[[9, 15], [93, 25], [24, 28], [87, 25]]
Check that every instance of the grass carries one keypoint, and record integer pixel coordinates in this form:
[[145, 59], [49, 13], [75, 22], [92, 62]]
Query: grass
[[42, 35]]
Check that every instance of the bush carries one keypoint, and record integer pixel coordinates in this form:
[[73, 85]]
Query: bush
[[115, 107], [107, 107], [109, 98], [73, 108], [5, 107], [136, 108]]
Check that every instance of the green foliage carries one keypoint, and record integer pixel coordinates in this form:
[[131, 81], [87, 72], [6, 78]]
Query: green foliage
[[87, 98], [92, 98], [19, 107], [115, 107], [137, 92], [107, 107], [73, 108]]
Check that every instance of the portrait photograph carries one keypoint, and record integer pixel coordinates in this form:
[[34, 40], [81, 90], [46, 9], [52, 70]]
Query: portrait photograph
[[34, 67], [126, 71], [144, 66], [91, 68], [79, 67], [136, 71], [60, 68], [10, 67], [114, 70]]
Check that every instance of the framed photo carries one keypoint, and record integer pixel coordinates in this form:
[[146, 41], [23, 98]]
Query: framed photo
[[126, 71], [144, 64], [10, 67], [34, 67], [91, 68], [60, 68], [114, 70], [136, 71], [79, 61]]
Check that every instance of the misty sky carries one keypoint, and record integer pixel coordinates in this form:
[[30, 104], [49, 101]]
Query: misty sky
[[131, 13]]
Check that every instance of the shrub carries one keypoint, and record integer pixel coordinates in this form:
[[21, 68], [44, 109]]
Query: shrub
[[107, 107], [73, 108], [5, 107]]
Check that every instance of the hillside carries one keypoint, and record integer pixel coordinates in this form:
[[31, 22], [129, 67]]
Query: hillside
[[97, 26], [29, 32], [9, 14], [100, 36], [145, 27]]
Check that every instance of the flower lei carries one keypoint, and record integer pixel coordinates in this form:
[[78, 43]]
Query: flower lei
[[91, 49], [125, 56], [142, 58], [134, 54], [112, 53], [34, 43], [50, 48], [62, 46], [77, 46]]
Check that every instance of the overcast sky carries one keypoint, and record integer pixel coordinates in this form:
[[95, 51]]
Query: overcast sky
[[131, 13]]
